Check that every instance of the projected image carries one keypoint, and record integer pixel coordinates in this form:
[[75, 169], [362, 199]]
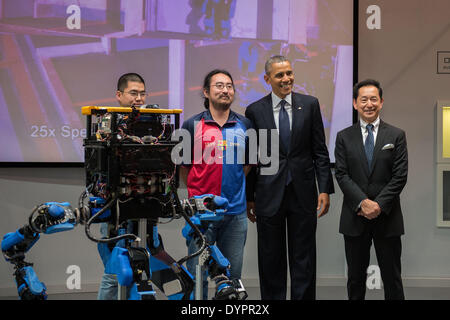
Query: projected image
[[58, 55]]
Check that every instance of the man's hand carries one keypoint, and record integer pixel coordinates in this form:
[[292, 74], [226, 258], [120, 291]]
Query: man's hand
[[323, 204], [369, 209], [251, 211]]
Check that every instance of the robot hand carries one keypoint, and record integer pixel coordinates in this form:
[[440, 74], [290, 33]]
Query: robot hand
[[204, 209], [218, 270], [206, 204], [229, 290], [28, 285], [52, 217]]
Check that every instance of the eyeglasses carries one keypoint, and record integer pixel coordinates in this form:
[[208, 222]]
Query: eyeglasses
[[135, 94], [221, 86]]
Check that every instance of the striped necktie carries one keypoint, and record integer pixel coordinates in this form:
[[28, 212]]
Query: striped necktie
[[368, 146]]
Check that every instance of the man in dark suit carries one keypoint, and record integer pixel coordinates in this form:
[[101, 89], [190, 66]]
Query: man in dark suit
[[290, 195], [371, 169]]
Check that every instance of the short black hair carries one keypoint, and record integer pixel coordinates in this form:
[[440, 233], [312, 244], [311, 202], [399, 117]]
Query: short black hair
[[365, 83], [122, 83], [207, 82]]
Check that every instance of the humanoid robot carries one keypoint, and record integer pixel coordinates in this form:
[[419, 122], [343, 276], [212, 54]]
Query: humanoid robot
[[130, 179]]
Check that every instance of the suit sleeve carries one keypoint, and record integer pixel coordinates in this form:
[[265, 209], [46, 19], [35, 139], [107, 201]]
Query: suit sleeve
[[320, 153], [353, 195], [399, 176], [250, 179]]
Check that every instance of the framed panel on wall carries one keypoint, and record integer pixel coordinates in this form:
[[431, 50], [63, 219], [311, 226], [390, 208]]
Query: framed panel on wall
[[443, 131], [443, 195], [443, 163]]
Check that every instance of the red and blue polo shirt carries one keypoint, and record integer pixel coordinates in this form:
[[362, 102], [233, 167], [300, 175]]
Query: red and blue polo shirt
[[218, 157]]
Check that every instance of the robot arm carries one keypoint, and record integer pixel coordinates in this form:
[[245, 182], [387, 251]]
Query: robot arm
[[218, 269], [50, 217], [206, 209], [16, 244], [53, 217], [199, 211]]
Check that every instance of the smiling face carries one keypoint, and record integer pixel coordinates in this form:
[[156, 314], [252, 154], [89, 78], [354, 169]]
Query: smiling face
[[280, 78], [368, 103], [220, 92]]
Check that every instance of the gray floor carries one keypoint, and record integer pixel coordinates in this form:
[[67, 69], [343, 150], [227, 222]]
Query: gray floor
[[323, 293]]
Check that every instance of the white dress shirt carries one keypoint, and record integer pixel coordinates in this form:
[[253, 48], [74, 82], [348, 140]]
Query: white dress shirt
[[276, 108], [376, 125]]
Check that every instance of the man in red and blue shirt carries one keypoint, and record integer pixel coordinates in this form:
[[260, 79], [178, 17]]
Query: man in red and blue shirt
[[218, 166]]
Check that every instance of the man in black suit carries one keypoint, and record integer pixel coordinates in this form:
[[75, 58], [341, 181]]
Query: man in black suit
[[371, 169], [290, 195]]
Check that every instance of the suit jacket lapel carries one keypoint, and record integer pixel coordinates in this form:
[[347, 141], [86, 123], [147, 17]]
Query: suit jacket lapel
[[379, 143], [297, 119], [269, 120], [267, 112], [358, 142]]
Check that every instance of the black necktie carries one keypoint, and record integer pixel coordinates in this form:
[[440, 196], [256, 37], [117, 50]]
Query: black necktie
[[284, 129], [368, 146]]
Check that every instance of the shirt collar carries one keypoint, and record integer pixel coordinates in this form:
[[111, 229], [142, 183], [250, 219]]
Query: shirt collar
[[363, 124], [232, 117], [276, 100]]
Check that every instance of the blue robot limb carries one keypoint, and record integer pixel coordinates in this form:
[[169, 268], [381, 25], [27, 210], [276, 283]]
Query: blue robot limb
[[210, 208], [204, 209], [133, 265], [48, 218], [139, 268], [53, 217], [14, 246], [28, 285], [169, 275], [172, 278]]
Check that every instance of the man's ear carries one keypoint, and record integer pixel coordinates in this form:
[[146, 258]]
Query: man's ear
[[119, 95], [206, 93]]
